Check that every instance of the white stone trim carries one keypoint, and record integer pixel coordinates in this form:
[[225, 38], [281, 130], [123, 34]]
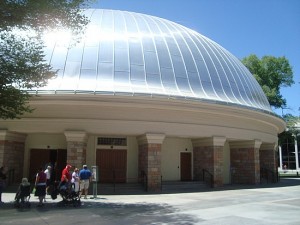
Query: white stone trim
[[6, 135], [151, 138], [268, 146], [76, 136], [245, 144], [211, 141]]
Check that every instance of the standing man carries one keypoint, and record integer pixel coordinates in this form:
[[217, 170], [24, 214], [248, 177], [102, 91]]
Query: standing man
[[66, 177], [85, 176]]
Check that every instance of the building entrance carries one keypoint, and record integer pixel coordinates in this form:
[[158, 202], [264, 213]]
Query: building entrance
[[186, 166], [112, 165], [56, 158]]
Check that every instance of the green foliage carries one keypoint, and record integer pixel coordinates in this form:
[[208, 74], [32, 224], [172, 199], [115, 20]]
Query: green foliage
[[43, 14], [292, 130], [292, 123], [22, 63], [271, 73]]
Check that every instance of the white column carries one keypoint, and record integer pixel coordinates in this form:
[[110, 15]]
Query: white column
[[280, 157], [296, 153]]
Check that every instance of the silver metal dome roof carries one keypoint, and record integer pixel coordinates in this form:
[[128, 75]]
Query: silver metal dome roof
[[129, 53]]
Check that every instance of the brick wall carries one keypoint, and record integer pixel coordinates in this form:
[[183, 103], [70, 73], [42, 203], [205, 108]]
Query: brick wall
[[245, 165], [76, 153], [150, 163], [267, 159], [12, 158], [143, 159], [211, 159]]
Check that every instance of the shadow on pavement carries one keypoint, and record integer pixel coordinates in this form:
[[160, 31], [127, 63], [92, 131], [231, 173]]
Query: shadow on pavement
[[97, 213], [283, 182]]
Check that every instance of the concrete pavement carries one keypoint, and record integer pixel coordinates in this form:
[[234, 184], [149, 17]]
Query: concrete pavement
[[233, 205]]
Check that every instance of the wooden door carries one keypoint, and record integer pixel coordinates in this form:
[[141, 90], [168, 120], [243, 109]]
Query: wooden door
[[120, 165], [105, 165], [61, 162], [38, 158], [186, 166], [112, 165], [42, 157]]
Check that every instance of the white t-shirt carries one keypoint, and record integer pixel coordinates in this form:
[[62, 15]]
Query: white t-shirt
[[48, 174], [75, 177]]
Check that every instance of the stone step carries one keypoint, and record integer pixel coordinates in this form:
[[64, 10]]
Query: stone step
[[183, 186], [120, 188]]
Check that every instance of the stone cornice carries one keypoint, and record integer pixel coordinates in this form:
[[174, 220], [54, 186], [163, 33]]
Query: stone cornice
[[211, 141], [76, 136], [151, 138], [245, 144], [268, 146], [6, 135]]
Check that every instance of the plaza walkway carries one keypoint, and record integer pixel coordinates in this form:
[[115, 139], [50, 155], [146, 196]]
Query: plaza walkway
[[233, 205]]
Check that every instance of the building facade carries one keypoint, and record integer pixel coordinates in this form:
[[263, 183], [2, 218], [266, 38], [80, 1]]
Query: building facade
[[145, 98]]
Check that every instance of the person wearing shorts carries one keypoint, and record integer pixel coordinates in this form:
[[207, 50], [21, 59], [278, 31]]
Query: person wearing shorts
[[85, 176]]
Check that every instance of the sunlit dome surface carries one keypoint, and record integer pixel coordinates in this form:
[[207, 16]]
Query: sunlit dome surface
[[127, 53]]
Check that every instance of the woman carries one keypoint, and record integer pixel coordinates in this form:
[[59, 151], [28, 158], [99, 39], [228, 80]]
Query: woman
[[75, 179], [40, 186]]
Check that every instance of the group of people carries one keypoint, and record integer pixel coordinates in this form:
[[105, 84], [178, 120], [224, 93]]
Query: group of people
[[79, 179]]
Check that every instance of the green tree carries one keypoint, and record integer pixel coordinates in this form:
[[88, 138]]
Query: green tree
[[271, 73], [292, 123], [292, 130], [22, 63]]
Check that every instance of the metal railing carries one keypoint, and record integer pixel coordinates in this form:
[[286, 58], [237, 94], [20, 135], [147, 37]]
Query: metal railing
[[10, 176], [144, 180], [210, 180], [115, 183]]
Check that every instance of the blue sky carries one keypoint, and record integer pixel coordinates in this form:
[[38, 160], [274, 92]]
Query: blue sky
[[243, 27]]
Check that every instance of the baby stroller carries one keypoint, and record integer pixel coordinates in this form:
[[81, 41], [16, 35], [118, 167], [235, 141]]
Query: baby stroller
[[23, 194], [68, 194]]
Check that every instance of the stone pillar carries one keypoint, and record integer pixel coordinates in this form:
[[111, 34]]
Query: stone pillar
[[296, 153], [244, 159], [76, 148], [267, 156], [150, 159], [12, 149], [280, 157], [208, 155]]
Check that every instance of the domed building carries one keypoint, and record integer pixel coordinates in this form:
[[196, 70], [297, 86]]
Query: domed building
[[142, 97]]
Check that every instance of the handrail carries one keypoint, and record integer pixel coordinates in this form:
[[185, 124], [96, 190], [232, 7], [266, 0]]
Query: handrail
[[268, 174], [10, 176], [144, 180], [211, 180], [114, 180]]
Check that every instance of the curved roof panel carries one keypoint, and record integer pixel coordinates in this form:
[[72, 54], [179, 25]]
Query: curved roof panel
[[129, 53]]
